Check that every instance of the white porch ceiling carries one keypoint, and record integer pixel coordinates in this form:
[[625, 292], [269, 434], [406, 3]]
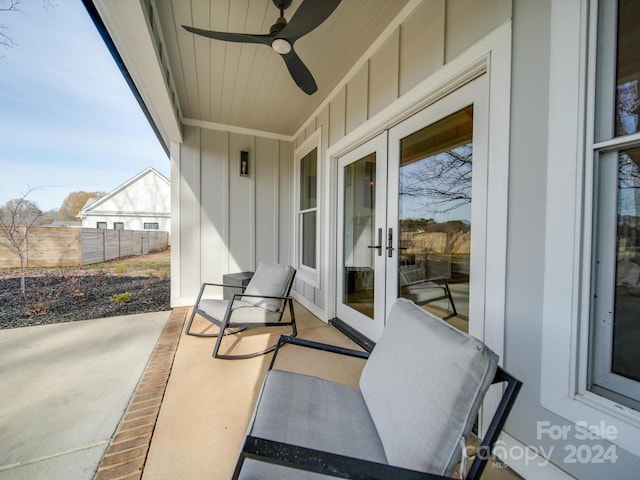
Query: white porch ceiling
[[248, 85]]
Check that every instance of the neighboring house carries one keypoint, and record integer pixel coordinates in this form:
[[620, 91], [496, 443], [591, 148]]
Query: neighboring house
[[528, 109], [141, 203]]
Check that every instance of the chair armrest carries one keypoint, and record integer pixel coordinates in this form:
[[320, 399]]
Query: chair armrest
[[208, 284], [325, 347], [425, 280], [324, 463], [241, 295]]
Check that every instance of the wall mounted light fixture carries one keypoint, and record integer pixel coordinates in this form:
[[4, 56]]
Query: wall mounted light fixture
[[244, 164]]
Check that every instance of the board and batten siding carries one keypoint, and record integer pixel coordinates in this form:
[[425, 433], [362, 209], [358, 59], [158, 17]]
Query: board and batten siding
[[229, 223]]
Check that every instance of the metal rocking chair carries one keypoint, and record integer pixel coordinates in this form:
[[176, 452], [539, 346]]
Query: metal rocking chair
[[262, 304]]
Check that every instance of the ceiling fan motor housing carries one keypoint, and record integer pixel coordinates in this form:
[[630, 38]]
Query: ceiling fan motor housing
[[282, 4], [278, 26]]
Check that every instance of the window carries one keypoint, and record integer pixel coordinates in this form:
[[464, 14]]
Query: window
[[306, 158], [118, 225], [591, 229], [151, 226], [101, 225], [615, 309]]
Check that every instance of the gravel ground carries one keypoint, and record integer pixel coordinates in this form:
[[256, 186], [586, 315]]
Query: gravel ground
[[55, 298]]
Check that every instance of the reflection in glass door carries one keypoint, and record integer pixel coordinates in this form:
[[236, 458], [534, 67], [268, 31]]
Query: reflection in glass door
[[361, 241], [437, 163], [435, 217]]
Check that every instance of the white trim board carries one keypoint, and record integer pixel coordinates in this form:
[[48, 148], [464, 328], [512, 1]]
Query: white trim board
[[525, 461]]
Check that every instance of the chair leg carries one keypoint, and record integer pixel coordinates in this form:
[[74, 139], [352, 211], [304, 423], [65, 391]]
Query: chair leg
[[223, 327], [293, 319], [453, 305], [225, 322], [193, 313]]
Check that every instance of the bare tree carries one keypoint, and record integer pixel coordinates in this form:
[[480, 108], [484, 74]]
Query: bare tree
[[17, 216], [6, 6], [444, 182]]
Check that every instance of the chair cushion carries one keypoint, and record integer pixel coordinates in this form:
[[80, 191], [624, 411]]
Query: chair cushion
[[272, 280], [243, 312], [313, 413], [257, 470], [423, 385]]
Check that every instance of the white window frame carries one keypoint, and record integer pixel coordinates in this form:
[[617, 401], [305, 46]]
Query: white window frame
[[567, 278], [305, 273]]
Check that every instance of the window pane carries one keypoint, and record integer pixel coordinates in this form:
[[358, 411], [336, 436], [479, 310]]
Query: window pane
[[615, 329], [308, 180], [628, 68], [626, 325], [309, 239]]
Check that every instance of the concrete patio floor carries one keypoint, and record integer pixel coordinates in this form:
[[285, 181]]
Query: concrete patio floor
[[208, 402], [64, 389]]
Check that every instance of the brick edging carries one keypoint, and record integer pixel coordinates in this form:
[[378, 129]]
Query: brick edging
[[127, 452]]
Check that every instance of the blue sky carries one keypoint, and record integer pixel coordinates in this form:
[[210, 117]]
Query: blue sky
[[68, 120]]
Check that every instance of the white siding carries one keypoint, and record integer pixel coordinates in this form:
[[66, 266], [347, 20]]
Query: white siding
[[230, 223], [146, 198]]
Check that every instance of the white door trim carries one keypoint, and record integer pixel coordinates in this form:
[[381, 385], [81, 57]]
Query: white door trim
[[370, 328], [491, 55]]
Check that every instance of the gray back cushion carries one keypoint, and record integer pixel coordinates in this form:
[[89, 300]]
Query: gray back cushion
[[423, 385], [270, 279]]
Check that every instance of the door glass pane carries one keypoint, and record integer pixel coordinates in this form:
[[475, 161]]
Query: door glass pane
[[626, 322], [359, 234], [435, 217], [628, 68]]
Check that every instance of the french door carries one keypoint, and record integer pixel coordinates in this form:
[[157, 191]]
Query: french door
[[408, 201], [362, 197]]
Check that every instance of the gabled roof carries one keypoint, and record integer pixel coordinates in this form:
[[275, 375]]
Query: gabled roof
[[121, 199]]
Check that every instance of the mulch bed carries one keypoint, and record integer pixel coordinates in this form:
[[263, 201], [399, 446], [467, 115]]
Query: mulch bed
[[55, 298]]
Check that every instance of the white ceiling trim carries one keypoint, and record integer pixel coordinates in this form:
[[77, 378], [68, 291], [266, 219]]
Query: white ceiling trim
[[391, 28], [234, 129]]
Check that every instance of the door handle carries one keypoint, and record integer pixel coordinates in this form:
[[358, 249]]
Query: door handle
[[389, 248], [379, 245]]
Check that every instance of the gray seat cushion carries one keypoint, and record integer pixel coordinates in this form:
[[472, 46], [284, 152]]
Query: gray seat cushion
[[423, 385], [243, 312], [313, 413]]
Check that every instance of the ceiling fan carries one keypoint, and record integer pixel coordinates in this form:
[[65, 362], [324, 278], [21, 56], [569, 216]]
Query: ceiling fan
[[283, 35]]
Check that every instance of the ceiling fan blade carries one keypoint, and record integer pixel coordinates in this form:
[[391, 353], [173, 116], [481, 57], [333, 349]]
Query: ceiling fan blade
[[231, 37], [310, 14], [300, 73]]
